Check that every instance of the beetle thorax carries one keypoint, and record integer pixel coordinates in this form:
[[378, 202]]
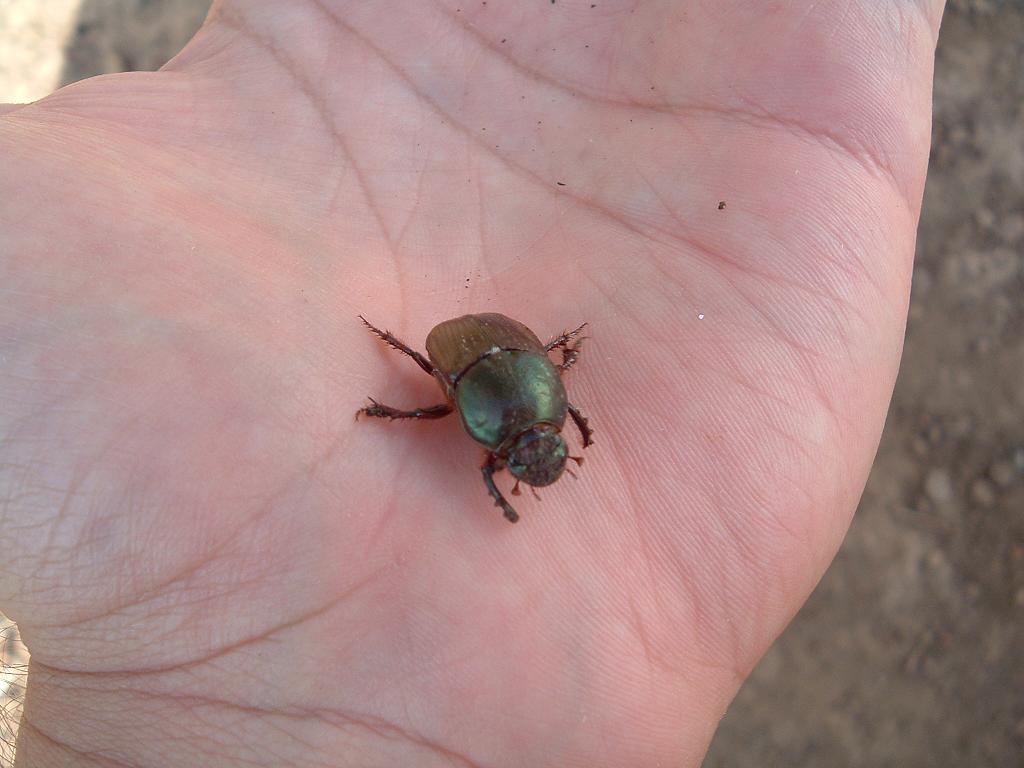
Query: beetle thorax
[[507, 393]]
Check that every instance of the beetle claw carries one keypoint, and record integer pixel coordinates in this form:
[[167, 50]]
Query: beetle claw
[[366, 409]]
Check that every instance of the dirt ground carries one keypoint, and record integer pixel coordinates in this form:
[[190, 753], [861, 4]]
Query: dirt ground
[[911, 651]]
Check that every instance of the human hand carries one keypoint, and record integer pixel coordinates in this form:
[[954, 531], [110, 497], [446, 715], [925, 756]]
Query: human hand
[[213, 564]]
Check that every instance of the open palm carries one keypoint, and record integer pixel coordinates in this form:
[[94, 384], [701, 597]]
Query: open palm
[[214, 564]]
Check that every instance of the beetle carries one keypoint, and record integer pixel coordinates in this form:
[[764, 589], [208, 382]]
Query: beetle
[[497, 374]]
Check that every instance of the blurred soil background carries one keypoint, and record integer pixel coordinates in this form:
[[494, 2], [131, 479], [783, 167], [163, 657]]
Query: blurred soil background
[[911, 651]]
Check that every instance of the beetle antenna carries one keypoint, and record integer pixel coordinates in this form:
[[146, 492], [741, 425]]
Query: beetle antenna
[[515, 488], [534, 491], [574, 475]]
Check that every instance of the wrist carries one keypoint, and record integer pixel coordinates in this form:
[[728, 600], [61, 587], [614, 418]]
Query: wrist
[[127, 721]]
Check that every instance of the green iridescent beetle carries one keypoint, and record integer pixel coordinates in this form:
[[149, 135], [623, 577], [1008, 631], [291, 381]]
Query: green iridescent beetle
[[496, 373]]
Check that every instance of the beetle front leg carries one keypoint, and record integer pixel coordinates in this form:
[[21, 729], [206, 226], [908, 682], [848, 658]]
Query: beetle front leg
[[488, 469], [392, 341], [387, 412], [582, 425]]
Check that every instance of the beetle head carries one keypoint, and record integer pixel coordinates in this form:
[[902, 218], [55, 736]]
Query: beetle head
[[537, 456]]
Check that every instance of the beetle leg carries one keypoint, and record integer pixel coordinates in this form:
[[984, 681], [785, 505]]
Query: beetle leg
[[391, 341], [582, 425], [387, 412], [488, 469], [570, 355], [561, 341]]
